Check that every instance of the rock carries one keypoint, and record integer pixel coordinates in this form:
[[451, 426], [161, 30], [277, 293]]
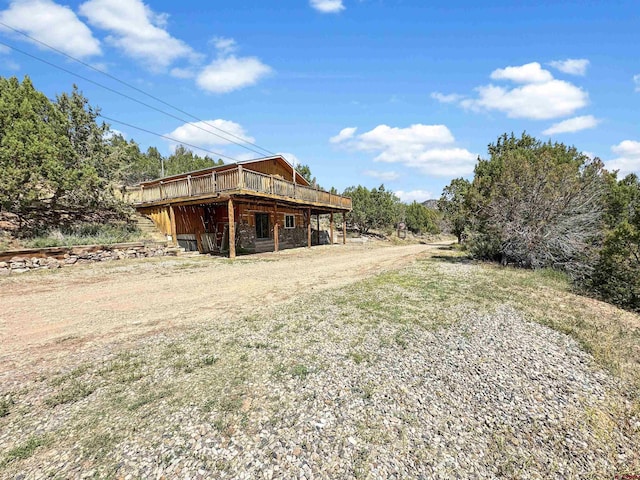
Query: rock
[[71, 260], [53, 263]]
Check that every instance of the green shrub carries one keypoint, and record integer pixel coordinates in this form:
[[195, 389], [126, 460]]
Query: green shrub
[[617, 274]]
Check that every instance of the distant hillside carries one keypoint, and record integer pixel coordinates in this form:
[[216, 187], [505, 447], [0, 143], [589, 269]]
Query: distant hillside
[[432, 204]]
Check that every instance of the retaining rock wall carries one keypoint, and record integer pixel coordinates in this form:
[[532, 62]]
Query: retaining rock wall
[[22, 261]]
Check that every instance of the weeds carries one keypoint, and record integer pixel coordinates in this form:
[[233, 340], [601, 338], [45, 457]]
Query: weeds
[[87, 234], [5, 406], [71, 393], [300, 371], [25, 450]]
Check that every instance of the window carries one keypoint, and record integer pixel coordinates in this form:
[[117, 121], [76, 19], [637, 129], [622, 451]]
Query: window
[[289, 221]]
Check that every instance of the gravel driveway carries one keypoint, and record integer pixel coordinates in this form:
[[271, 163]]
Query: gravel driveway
[[381, 378]]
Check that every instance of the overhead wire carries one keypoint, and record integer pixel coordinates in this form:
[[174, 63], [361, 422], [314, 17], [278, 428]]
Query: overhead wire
[[244, 140]]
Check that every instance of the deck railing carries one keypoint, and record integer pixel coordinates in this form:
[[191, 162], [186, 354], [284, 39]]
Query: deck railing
[[236, 179]]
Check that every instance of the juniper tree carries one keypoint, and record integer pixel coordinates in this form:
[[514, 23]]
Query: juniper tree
[[537, 205]]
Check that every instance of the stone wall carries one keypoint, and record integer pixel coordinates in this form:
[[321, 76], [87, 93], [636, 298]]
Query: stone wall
[[246, 237], [292, 237], [50, 258]]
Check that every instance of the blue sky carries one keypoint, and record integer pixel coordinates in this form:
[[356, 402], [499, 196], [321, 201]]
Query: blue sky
[[402, 92]]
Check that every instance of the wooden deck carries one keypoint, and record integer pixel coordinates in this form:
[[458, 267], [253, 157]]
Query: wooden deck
[[234, 182]]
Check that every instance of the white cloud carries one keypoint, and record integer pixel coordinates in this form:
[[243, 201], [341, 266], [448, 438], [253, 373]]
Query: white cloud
[[198, 133], [572, 66], [571, 125], [537, 101], [628, 160], [112, 132], [529, 73], [51, 23], [327, 6], [541, 97], [636, 81], [345, 134], [384, 176], [446, 98], [224, 75], [427, 148], [384, 137], [414, 195], [138, 31], [224, 45]]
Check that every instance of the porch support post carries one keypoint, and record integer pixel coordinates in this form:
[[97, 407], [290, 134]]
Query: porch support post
[[331, 225], [309, 228], [344, 228], [232, 229], [172, 221], [276, 242]]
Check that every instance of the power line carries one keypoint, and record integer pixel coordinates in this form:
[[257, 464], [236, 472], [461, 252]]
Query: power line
[[124, 95], [113, 77], [134, 88], [164, 136]]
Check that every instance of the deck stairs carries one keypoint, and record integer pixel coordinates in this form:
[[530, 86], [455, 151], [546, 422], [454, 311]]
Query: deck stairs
[[148, 228]]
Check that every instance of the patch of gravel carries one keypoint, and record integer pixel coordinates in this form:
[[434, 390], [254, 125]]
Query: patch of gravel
[[490, 396]]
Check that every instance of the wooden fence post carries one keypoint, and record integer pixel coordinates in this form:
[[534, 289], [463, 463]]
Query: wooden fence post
[[276, 240], [309, 228], [331, 228], [174, 229], [232, 229], [344, 228]]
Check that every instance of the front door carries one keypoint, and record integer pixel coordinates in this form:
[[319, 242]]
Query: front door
[[262, 225]]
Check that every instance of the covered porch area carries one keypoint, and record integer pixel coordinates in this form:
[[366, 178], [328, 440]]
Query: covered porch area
[[244, 224]]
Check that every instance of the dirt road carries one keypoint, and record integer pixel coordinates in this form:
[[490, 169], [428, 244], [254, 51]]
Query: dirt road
[[45, 317]]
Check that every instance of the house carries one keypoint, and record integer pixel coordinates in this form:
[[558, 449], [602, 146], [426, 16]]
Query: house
[[245, 207]]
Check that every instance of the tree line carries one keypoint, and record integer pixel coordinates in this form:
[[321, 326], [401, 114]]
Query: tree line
[[381, 209], [57, 157], [540, 204]]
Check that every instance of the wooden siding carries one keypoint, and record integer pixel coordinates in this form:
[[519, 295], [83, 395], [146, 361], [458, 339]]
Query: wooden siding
[[160, 217], [246, 215], [189, 219], [272, 167]]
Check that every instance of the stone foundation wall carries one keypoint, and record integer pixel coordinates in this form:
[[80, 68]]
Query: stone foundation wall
[[50, 258], [246, 237], [294, 237]]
